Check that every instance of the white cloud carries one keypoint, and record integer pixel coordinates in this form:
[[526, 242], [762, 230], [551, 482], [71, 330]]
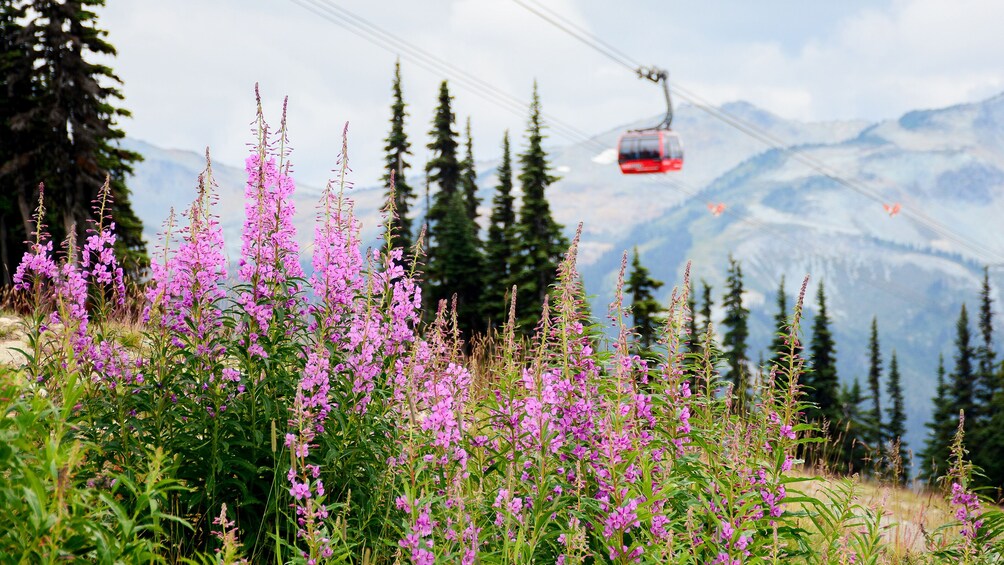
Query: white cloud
[[189, 66]]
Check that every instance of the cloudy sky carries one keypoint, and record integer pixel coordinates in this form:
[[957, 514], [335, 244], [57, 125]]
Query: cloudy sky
[[189, 66]]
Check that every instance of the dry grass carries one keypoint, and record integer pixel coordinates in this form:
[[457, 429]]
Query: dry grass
[[909, 515]]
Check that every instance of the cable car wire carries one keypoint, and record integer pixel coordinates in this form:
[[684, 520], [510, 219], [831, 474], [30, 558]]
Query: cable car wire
[[396, 45], [372, 33]]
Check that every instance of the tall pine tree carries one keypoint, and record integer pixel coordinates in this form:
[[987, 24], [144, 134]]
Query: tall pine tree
[[992, 440], [397, 149], [777, 344], [736, 331], [644, 307], [66, 125], [937, 446], [453, 257], [895, 428], [984, 450], [16, 183], [458, 267], [501, 243], [824, 384], [469, 176], [987, 384], [540, 243], [443, 169], [961, 389], [875, 437], [706, 305]]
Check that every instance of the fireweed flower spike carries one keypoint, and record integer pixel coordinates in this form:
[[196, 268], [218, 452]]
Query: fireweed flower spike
[[98, 260], [269, 264], [37, 265]]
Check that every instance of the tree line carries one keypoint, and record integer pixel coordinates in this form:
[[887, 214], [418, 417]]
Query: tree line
[[864, 424], [521, 247]]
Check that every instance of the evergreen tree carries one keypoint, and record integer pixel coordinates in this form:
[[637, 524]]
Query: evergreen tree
[[458, 265], [453, 256], [443, 169], [873, 418], [992, 440], [984, 450], [644, 307], [706, 305], [65, 122], [736, 330], [397, 149], [469, 176], [540, 243], [501, 244], [895, 428], [962, 379], [16, 184], [937, 447], [778, 344], [823, 364], [986, 375]]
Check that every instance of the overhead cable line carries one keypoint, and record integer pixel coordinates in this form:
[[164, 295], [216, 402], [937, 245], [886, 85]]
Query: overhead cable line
[[357, 25], [751, 130], [373, 33]]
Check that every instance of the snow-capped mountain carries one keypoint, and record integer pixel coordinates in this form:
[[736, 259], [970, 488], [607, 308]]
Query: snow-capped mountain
[[782, 217]]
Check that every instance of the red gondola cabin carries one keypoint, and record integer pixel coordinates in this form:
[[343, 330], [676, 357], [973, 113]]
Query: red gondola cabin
[[650, 151]]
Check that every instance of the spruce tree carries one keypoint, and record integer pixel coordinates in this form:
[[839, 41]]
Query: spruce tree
[[706, 305], [443, 169], [895, 428], [540, 243], [962, 379], [453, 257], [67, 130], [458, 265], [986, 374], [736, 330], [937, 446], [777, 344], [992, 441], [397, 149], [644, 307], [16, 183], [875, 437], [983, 449], [501, 243], [469, 176], [823, 365]]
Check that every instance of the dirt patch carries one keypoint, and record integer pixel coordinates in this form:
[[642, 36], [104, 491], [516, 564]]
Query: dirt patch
[[11, 339]]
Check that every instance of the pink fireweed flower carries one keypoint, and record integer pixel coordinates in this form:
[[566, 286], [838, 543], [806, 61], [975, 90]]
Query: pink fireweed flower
[[269, 252], [967, 510], [189, 285], [98, 260], [100, 264], [270, 261], [36, 264]]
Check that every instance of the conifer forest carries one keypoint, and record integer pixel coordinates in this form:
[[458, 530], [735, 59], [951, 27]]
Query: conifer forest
[[444, 377]]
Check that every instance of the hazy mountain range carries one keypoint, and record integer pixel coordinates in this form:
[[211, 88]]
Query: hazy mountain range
[[782, 217]]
